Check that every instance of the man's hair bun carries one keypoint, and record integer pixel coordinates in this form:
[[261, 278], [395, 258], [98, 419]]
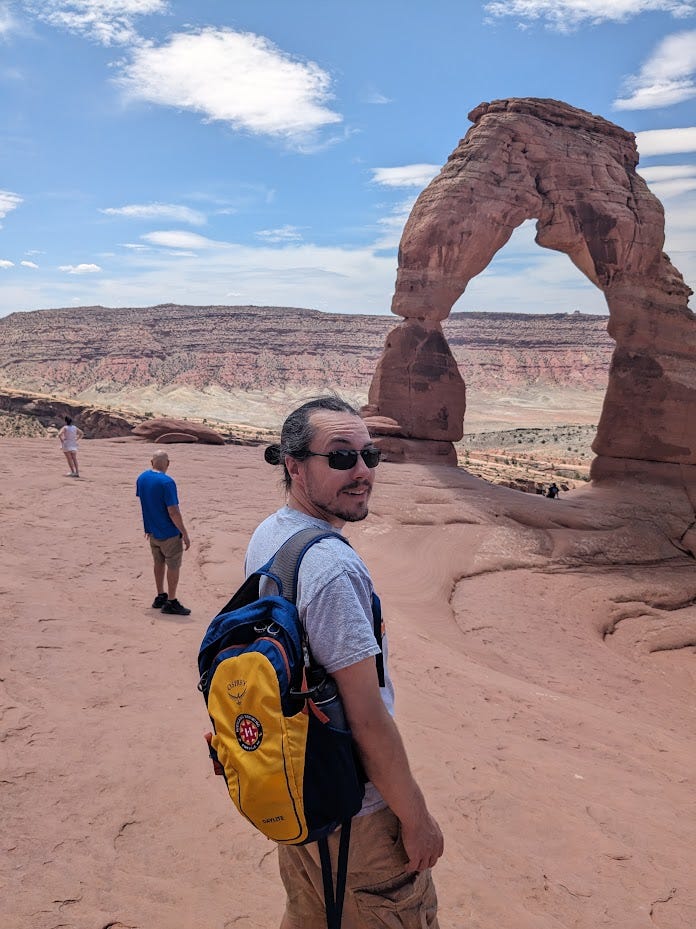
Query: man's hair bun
[[272, 454]]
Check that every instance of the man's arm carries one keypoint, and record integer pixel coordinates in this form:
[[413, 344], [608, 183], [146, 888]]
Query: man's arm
[[384, 757], [176, 518]]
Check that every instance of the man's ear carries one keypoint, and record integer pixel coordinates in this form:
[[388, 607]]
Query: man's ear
[[293, 466]]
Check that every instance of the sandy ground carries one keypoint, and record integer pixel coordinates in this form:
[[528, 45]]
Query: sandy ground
[[543, 654]]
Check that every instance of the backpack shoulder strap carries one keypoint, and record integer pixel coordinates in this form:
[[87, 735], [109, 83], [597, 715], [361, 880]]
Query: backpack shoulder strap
[[284, 567]]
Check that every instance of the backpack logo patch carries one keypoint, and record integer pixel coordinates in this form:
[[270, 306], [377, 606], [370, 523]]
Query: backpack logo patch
[[236, 691], [249, 732]]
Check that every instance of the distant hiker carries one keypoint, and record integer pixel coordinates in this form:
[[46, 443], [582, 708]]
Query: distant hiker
[[69, 436], [329, 466], [164, 527], [553, 491]]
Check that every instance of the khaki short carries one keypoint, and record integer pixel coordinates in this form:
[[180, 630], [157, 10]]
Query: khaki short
[[168, 551], [380, 894]]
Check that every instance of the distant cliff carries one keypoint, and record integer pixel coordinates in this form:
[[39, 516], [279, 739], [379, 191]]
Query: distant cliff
[[98, 351]]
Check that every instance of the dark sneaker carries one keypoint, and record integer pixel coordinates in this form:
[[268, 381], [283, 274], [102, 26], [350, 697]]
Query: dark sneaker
[[173, 606], [159, 601]]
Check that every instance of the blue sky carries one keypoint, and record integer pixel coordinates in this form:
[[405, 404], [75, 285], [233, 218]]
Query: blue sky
[[269, 151]]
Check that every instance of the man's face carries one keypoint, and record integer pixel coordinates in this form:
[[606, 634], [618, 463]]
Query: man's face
[[332, 495]]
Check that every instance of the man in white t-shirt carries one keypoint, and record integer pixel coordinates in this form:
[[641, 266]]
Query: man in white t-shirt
[[329, 463]]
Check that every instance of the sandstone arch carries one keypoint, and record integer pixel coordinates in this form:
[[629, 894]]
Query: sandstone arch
[[574, 173]]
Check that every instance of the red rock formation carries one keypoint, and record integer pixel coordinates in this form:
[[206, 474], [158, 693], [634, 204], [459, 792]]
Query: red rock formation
[[174, 438], [418, 376], [575, 173], [50, 411], [155, 429]]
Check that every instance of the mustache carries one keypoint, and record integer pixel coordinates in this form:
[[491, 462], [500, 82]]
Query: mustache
[[356, 485]]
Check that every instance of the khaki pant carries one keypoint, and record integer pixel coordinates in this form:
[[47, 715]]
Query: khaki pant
[[380, 894]]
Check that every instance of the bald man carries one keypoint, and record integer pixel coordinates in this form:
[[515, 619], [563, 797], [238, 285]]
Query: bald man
[[164, 527]]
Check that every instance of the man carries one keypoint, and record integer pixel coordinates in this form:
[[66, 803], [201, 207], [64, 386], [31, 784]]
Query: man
[[329, 463], [164, 527]]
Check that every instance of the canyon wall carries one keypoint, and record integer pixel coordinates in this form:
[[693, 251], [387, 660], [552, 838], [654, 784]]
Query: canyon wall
[[97, 350]]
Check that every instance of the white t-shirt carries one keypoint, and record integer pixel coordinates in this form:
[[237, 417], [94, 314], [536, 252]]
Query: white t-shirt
[[69, 439], [334, 594]]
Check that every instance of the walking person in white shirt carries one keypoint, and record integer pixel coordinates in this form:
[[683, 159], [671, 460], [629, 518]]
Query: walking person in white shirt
[[69, 436]]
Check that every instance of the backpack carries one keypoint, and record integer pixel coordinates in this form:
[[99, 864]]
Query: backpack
[[280, 737]]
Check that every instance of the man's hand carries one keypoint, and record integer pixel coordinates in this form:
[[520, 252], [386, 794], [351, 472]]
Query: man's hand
[[176, 518], [423, 843]]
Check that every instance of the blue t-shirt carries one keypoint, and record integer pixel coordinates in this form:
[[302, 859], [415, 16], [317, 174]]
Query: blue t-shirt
[[157, 491]]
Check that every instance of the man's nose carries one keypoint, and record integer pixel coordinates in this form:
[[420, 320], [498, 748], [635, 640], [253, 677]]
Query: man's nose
[[360, 468]]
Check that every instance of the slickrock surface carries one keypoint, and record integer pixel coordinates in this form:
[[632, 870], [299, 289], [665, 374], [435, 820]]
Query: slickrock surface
[[542, 652], [576, 174]]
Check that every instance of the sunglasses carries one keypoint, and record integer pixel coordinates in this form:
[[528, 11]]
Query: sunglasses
[[343, 459]]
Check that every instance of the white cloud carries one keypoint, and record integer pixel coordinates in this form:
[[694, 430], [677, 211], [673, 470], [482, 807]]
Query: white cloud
[[666, 141], [666, 78], [283, 234], [80, 269], [172, 211], [336, 280], [180, 239], [8, 23], [8, 202], [417, 175], [392, 226], [670, 181], [4, 263], [110, 22], [565, 15], [238, 78], [668, 190], [376, 98], [667, 172], [28, 264]]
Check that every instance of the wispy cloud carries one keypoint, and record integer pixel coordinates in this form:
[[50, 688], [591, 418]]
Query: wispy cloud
[[667, 172], [29, 264], [238, 78], [109, 22], [666, 78], [375, 98], [80, 269], [8, 23], [670, 181], [5, 263], [8, 202], [417, 175], [565, 15], [666, 141], [169, 211], [392, 226], [284, 234], [175, 238]]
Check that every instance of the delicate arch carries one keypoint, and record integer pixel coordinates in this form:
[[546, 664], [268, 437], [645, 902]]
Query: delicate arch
[[574, 173]]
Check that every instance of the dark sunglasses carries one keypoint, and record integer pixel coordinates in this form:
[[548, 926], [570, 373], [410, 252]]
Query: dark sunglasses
[[343, 459]]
